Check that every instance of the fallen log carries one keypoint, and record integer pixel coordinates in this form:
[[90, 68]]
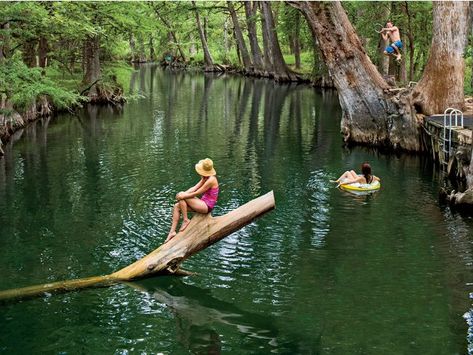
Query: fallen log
[[203, 231]]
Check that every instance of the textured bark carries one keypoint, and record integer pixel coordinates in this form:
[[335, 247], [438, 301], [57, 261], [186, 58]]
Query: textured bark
[[370, 115], [320, 73], [132, 43], [29, 53], [152, 54], [267, 55], [192, 49], [4, 41], [410, 39], [276, 66], [384, 59], [43, 49], [141, 46], [203, 231], [208, 61], [245, 56], [441, 86], [92, 65], [225, 41], [383, 63], [253, 36], [297, 43], [469, 176]]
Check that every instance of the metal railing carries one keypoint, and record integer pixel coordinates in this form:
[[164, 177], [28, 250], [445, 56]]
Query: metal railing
[[450, 116]]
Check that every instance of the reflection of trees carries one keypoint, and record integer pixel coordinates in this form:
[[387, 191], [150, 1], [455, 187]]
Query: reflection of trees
[[133, 77], [200, 316]]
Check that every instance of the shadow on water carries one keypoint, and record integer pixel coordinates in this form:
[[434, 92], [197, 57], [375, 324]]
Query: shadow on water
[[200, 318], [199, 315]]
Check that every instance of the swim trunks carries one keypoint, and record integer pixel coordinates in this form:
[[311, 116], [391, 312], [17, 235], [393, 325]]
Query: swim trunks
[[390, 49]]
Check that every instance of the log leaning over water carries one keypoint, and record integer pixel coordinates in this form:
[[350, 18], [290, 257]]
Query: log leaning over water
[[203, 231]]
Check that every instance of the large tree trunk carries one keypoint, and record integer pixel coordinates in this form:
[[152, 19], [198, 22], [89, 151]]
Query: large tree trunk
[[279, 68], [208, 61], [410, 36], [253, 36], [296, 43], [43, 49], [267, 55], [29, 53], [370, 115], [245, 56], [142, 51], [192, 49], [384, 59], [203, 231], [152, 53], [441, 86], [4, 40], [92, 65], [132, 43], [383, 63]]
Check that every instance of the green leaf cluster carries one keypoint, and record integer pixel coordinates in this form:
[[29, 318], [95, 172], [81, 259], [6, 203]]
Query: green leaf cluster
[[22, 85]]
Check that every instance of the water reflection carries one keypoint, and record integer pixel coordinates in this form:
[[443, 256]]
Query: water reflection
[[325, 271], [199, 316]]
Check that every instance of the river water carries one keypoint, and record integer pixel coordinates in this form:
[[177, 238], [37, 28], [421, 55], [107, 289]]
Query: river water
[[326, 272]]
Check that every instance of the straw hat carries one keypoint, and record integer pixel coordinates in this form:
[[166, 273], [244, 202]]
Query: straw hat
[[205, 167]]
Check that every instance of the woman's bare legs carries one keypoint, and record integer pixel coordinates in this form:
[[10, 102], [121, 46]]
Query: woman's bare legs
[[185, 219], [175, 219], [347, 175], [194, 204]]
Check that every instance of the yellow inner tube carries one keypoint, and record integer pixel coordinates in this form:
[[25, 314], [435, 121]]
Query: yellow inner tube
[[376, 185]]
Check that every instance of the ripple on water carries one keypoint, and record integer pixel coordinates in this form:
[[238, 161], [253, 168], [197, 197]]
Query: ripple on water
[[144, 227]]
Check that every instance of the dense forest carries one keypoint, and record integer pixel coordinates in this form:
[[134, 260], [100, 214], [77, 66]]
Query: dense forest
[[69, 50], [57, 55]]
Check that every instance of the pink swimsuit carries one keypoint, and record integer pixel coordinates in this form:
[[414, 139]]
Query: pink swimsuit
[[210, 198]]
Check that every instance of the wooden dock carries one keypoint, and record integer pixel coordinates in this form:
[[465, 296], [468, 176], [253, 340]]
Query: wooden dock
[[452, 153]]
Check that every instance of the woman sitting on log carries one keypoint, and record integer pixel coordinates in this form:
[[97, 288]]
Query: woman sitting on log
[[188, 200], [351, 177]]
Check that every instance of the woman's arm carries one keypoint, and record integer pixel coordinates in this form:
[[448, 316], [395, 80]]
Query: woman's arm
[[195, 187], [190, 194]]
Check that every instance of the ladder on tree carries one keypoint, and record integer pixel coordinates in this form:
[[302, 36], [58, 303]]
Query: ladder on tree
[[452, 118]]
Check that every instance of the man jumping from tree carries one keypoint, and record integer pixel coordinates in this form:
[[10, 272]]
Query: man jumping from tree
[[391, 32]]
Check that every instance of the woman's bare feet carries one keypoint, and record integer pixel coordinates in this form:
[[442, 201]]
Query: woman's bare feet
[[170, 236], [184, 224]]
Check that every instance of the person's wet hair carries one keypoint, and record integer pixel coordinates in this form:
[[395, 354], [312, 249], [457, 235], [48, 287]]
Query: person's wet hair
[[366, 171]]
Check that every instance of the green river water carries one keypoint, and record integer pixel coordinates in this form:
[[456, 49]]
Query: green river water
[[326, 272]]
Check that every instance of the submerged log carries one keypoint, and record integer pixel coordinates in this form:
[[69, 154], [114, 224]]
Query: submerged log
[[203, 231]]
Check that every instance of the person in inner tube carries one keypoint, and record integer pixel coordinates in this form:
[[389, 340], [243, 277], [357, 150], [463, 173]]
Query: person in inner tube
[[351, 177]]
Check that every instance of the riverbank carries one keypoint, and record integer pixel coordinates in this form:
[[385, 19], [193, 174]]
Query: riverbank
[[457, 170], [322, 81], [36, 93], [113, 92]]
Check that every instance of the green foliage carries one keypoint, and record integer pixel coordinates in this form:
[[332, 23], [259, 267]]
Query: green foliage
[[22, 85], [126, 30], [468, 83], [117, 73], [414, 19], [307, 62]]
